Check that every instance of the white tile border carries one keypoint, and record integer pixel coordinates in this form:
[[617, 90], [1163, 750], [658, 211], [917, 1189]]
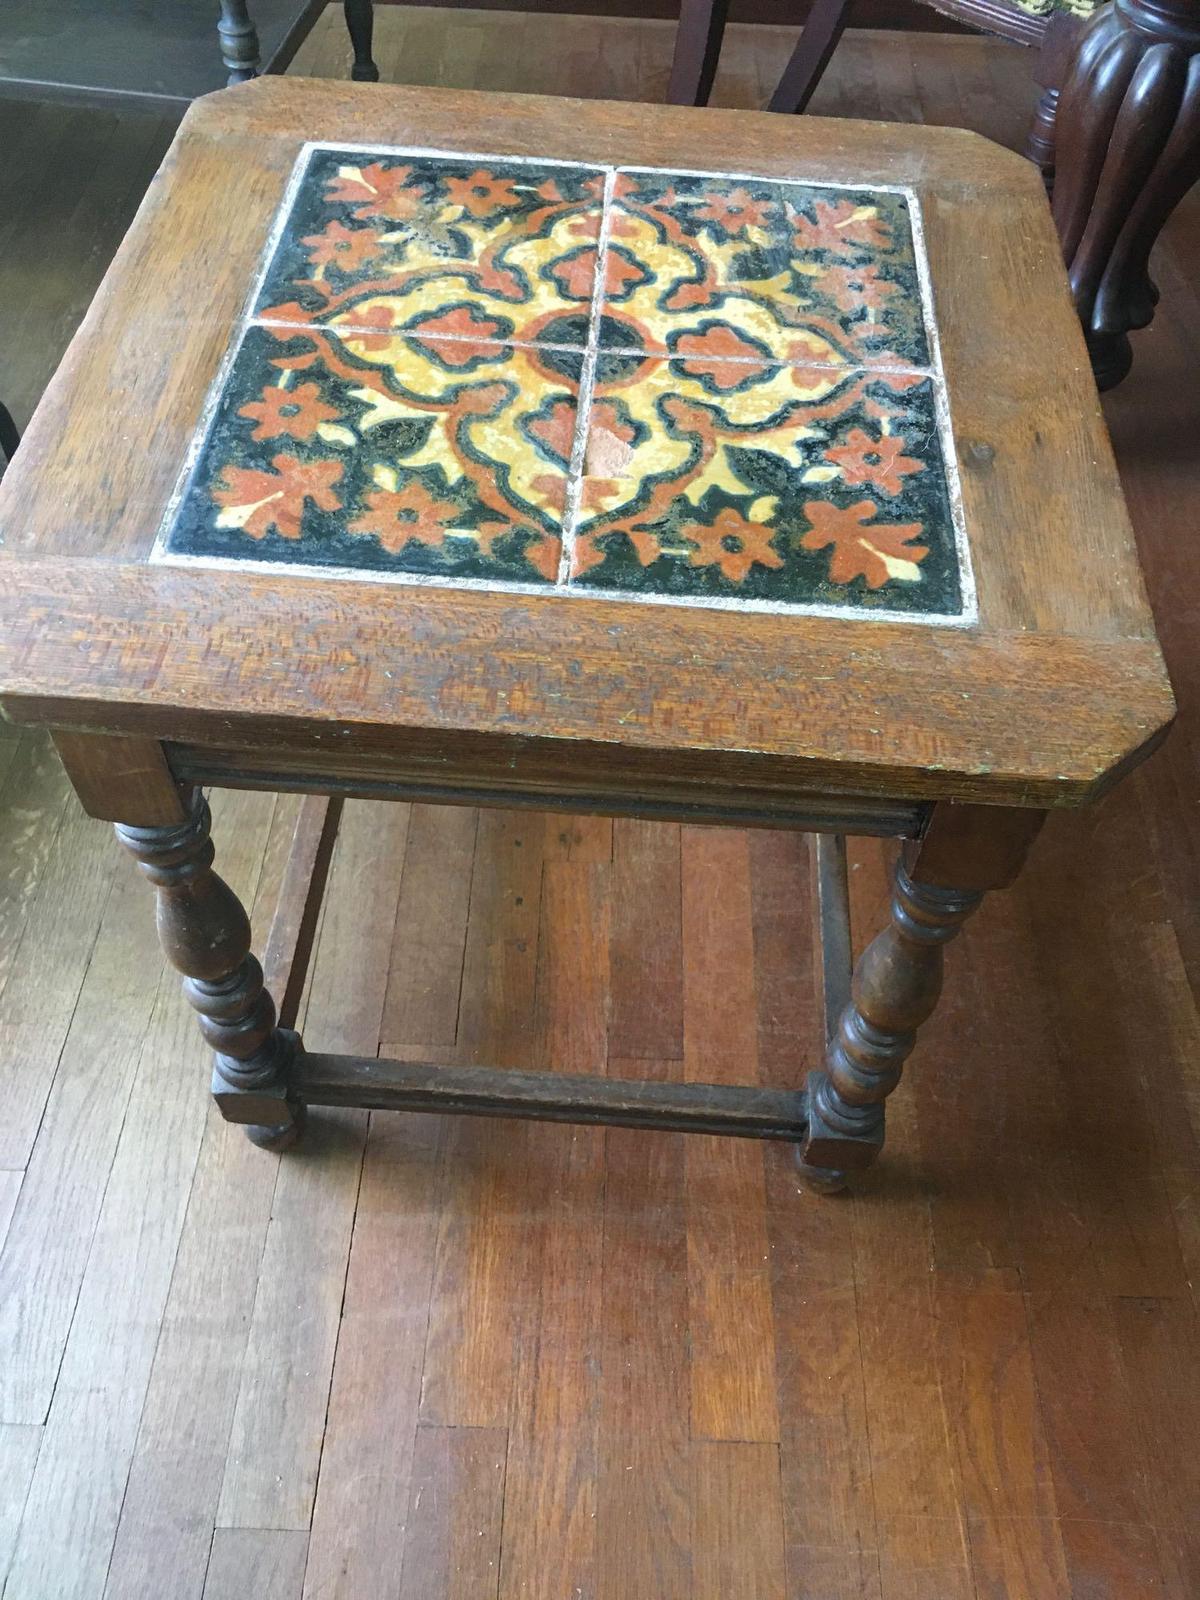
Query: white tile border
[[432, 580], [935, 373]]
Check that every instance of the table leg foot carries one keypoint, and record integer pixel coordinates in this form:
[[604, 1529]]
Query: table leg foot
[[821, 1180], [283, 1135]]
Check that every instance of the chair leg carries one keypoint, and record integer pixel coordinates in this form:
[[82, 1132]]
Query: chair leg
[[697, 50], [816, 44], [9, 437], [239, 41], [360, 24], [1054, 60], [1127, 151]]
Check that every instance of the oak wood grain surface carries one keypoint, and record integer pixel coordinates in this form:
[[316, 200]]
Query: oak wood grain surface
[[983, 1359], [1043, 701]]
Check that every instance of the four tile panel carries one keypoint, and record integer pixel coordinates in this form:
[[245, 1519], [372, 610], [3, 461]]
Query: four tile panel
[[699, 389]]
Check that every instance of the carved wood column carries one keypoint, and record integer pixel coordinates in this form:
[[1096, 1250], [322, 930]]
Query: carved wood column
[[205, 934], [1127, 151]]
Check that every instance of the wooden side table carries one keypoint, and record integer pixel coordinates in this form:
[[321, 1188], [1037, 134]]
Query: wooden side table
[[501, 451]]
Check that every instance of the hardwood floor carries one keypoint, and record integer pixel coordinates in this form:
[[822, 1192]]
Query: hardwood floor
[[426, 1360]]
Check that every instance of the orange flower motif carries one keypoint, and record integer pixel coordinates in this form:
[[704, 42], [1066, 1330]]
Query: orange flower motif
[[296, 413], [342, 247], [482, 192], [877, 553], [840, 229], [855, 288], [576, 274], [380, 317], [556, 430], [732, 543], [609, 444], [720, 354], [734, 211], [544, 555], [876, 461], [463, 322], [380, 192], [396, 516], [257, 501]]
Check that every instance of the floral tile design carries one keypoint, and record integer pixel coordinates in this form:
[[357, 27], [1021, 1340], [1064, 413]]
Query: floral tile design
[[481, 248], [438, 457], [588, 381], [772, 483], [782, 270]]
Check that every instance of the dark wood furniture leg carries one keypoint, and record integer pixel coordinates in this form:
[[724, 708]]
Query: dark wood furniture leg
[[239, 41], [939, 881], [819, 39], [1054, 59], [698, 40], [9, 437], [360, 24], [205, 933], [1128, 150]]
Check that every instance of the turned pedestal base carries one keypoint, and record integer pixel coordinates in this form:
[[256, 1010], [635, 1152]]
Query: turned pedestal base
[[1127, 149]]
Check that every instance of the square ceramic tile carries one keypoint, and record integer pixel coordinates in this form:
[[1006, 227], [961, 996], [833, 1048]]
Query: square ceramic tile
[[443, 458], [445, 245], [697, 390], [768, 270], [726, 481]]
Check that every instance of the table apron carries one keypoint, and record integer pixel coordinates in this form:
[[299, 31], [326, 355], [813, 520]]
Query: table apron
[[648, 798]]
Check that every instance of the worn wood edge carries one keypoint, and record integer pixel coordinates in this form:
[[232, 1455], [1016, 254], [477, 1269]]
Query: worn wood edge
[[745, 1111], [298, 909], [1013, 718], [315, 108]]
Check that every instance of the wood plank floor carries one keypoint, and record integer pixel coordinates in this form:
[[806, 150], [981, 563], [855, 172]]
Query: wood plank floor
[[427, 1360]]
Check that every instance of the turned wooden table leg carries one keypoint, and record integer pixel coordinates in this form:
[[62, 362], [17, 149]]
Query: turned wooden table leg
[[938, 882], [205, 933], [360, 24], [239, 41], [1127, 151]]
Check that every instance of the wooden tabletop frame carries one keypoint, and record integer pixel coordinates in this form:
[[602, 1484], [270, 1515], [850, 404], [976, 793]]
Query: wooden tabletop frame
[[1043, 701]]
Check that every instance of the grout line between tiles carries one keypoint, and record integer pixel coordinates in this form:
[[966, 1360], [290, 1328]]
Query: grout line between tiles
[[350, 330], [587, 384]]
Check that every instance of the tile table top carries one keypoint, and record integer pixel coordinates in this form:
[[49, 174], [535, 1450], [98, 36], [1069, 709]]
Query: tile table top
[[807, 450], [692, 388]]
